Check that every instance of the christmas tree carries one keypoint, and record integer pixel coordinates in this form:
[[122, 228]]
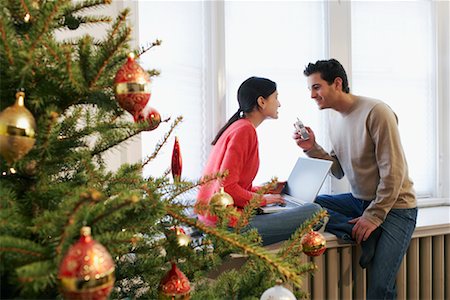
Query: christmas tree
[[64, 103]]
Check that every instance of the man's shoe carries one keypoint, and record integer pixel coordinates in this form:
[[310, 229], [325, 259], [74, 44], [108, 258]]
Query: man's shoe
[[368, 248]]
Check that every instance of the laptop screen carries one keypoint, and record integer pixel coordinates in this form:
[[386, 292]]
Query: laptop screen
[[307, 178]]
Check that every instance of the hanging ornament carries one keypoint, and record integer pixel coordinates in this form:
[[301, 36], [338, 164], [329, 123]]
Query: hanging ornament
[[23, 24], [87, 270], [174, 285], [17, 130], [182, 238], [132, 87], [313, 243], [221, 199], [278, 292], [72, 22], [152, 117], [177, 163]]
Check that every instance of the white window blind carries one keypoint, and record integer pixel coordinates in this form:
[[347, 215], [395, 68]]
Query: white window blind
[[393, 60]]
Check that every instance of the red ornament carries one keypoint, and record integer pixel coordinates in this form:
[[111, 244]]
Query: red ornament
[[87, 270], [177, 163], [132, 87], [152, 117], [174, 285], [313, 243]]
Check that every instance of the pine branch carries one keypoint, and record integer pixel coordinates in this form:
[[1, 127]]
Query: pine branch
[[132, 200], [24, 7], [5, 43], [114, 48], [52, 121], [101, 149], [90, 20], [253, 205], [68, 55], [51, 51], [163, 142], [236, 240], [47, 23], [80, 6], [143, 50], [37, 276], [84, 198], [21, 246]]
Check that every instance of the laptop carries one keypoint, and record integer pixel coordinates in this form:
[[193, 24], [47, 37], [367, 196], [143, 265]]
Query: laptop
[[303, 184]]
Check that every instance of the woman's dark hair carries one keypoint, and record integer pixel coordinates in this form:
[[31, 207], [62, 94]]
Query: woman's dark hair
[[329, 70], [247, 95]]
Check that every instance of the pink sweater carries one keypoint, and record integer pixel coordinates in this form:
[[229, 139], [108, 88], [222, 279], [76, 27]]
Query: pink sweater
[[235, 151]]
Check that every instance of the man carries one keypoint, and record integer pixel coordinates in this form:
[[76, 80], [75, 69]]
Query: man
[[380, 212]]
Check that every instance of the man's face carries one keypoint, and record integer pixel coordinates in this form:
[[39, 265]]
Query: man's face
[[324, 94]]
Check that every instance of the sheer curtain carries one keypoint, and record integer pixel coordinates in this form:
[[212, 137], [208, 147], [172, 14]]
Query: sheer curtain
[[393, 57], [275, 40]]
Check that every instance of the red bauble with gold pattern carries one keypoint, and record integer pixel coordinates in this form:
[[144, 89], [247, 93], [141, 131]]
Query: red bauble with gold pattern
[[152, 117], [132, 87], [174, 285], [313, 243], [177, 163], [87, 270]]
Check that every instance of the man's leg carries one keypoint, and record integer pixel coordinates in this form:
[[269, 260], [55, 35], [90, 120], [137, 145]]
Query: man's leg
[[341, 209], [396, 234]]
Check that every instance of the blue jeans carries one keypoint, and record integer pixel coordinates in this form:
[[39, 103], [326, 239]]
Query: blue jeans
[[279, 226], [396, 232]]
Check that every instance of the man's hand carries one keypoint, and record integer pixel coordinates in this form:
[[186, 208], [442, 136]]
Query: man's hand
[[362, 229], [305, 144]]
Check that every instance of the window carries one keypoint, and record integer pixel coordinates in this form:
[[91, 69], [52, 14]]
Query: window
[[393, 60], [395, 51]]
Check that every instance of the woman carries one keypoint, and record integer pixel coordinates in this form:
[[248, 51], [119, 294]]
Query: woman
[[236, 150]]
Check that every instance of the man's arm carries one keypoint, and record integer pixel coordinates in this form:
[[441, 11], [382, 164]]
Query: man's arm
[[382, 123]]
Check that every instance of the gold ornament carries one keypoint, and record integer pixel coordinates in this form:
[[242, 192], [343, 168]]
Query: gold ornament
[[222, 199], [182, 238], [17, 130]]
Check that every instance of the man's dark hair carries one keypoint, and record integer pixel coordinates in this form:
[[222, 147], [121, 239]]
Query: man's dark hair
[[329, 70]]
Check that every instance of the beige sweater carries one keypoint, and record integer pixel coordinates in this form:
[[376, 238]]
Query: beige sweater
[[366, 147]]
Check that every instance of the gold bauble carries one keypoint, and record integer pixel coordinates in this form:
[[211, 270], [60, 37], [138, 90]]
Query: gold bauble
[[17, 130], [221, 199]]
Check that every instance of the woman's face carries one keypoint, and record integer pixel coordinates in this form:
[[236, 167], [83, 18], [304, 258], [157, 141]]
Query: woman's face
[[270, 106]]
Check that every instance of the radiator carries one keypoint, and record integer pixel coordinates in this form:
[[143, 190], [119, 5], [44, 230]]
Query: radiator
[[424, 273]]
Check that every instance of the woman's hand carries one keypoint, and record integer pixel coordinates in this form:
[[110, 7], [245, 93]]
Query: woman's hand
[[305, 144], [274, 199]]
